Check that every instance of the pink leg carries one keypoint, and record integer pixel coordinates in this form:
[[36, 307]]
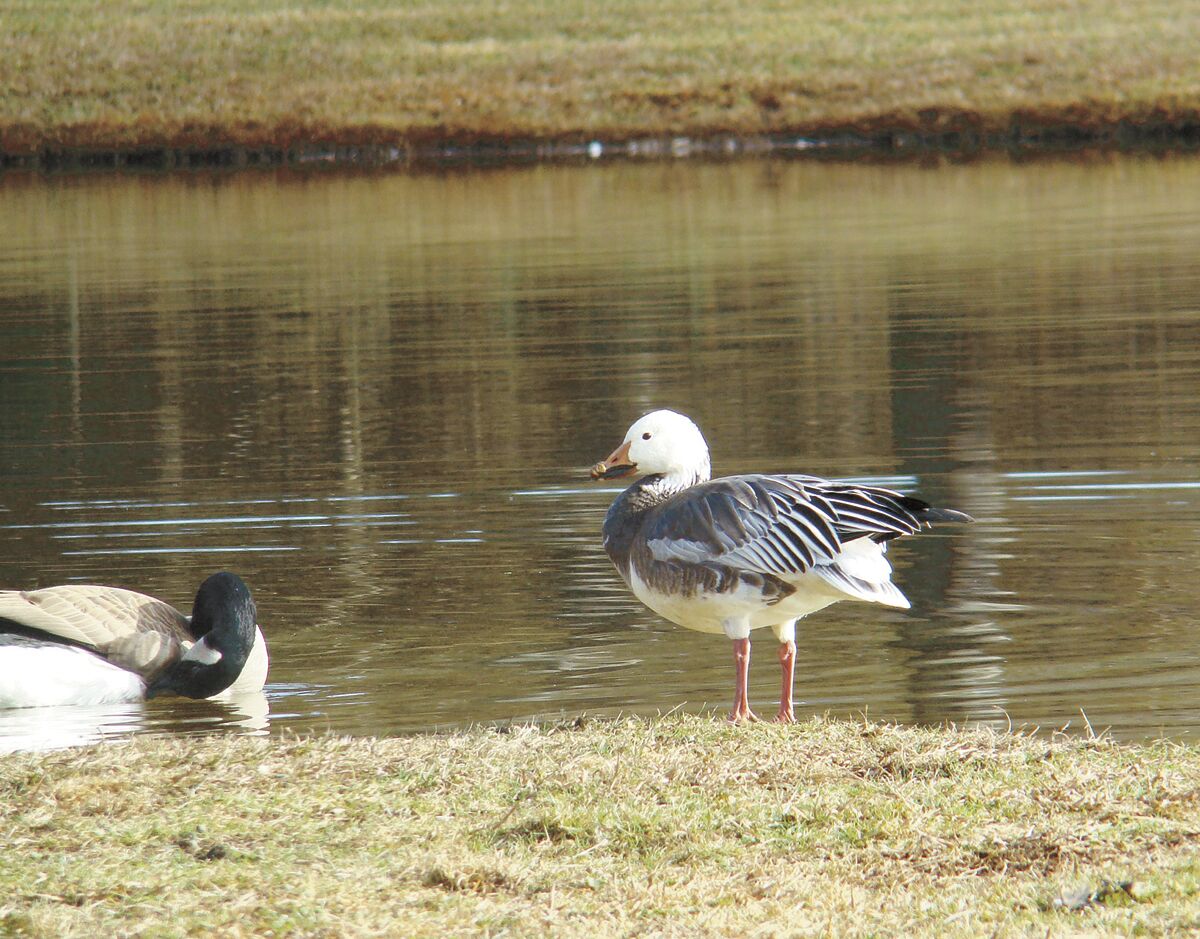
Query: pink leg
[[741, 701], [787, 661]]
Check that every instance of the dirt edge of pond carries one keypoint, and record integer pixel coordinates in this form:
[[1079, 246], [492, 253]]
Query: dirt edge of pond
[[925, 132]]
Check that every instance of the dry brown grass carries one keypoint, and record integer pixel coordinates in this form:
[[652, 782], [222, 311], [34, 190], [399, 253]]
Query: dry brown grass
[[680, 826], [203, 73]]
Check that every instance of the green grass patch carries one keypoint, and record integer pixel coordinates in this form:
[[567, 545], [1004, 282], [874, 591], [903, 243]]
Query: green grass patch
[[118, 74], [677, 826]]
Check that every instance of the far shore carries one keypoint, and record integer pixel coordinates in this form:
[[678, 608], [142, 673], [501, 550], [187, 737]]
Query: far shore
[[196, 83], [882, 143]]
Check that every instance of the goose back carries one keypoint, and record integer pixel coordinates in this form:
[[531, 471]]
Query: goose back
[[133, 631]]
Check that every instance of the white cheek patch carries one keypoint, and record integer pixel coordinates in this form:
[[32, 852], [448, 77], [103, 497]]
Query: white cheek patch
[[203, 653]]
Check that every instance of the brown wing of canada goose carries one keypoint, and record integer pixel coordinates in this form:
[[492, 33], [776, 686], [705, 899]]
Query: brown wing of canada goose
[[130, 629]]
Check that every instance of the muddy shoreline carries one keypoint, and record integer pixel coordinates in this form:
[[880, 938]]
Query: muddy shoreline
[[1018, 139]]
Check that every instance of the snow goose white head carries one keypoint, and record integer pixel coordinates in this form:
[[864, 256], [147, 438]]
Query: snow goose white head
[[662, 443]]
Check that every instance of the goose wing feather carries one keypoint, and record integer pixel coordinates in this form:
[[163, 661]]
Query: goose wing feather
[[778, 525], [131, 630]]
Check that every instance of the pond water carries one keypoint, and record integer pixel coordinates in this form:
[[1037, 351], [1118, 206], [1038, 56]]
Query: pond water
[[376, 398]]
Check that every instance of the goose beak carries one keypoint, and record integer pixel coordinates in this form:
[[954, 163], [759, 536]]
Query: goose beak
[[616, 465]]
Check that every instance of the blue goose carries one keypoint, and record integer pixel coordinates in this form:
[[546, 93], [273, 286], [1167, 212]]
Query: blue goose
[[730, 555], [87, 644]]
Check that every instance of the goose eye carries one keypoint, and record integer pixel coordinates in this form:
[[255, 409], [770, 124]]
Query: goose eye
[[646, 435]]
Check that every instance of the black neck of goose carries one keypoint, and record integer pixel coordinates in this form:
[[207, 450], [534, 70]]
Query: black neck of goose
[[655, 489], [645, 494], [625, 517], [224, 625]]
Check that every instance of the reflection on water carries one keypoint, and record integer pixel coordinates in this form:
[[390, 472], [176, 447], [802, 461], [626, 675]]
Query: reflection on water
[[375, 397], [51, 728]]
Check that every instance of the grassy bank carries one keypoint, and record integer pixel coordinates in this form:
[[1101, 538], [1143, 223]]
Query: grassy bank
[[114, 75], [680, 826]]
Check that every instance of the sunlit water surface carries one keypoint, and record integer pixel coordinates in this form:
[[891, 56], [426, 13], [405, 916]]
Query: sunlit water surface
[[375, 398]]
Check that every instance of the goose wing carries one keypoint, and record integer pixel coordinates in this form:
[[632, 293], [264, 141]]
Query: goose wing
[[776, 525], [131, 630]]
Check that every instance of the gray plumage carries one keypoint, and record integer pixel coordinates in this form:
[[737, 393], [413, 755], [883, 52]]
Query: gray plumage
[[736, 554]]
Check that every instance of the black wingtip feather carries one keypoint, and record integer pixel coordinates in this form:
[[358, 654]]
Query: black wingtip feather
[[926, 513], [930, 514]]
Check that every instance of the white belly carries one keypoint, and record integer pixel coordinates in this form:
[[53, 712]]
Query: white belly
[[42, 676], [715, 612], [868, 578]]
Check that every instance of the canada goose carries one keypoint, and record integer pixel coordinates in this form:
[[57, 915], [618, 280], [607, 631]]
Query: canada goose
[[735, 554], [86, 644]]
